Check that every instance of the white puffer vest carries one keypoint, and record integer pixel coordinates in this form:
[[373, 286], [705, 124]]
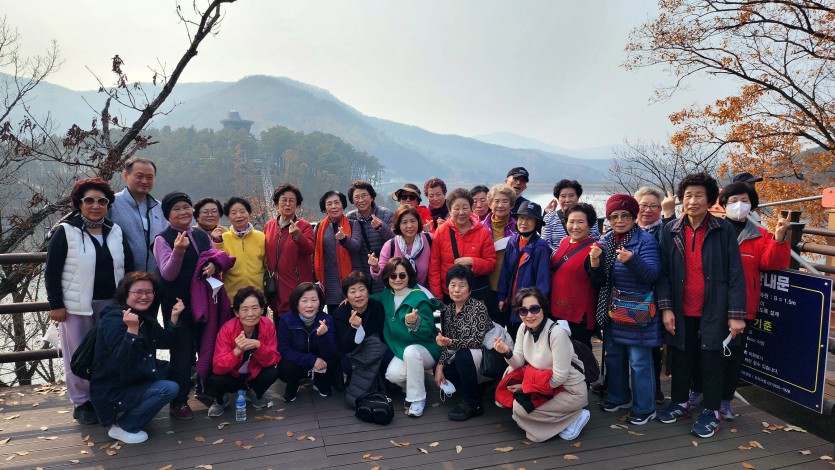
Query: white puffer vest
[[80, 267]]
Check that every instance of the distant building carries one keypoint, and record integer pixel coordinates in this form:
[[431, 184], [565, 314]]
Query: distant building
[[233, 121]]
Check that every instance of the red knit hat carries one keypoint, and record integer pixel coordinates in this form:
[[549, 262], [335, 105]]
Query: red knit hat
[[623, 202]]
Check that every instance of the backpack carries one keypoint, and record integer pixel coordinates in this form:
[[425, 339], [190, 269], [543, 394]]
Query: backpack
[[83, 359], [590, 368], [375, 408]]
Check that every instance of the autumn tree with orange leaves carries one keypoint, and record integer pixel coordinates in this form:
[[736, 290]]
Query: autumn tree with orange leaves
[[782, 53]]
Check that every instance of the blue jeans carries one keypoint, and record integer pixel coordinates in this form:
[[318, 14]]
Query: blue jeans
[[619, 360], [156, 396]]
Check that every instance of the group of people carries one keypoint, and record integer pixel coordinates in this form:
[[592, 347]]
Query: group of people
[[353, 300]]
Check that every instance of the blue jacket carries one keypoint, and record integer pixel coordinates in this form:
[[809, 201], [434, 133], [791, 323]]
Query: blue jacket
[[535, 271], [638, 275], [125, 365], [302, 346]]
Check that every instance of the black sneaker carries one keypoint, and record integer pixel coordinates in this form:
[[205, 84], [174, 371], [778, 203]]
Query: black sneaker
[[85, 414], [465, 411], [290, 392], [640, 418], [610, 407], [659, 397], [324, 391]]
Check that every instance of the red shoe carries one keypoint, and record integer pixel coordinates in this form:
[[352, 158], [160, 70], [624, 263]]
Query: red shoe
[[182, 412]]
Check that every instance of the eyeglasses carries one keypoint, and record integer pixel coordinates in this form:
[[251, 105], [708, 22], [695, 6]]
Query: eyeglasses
[[623, 216], [209, 212], [395, 276], [361, 197], [142, 293], [408, 197], [652, 207], [288, 202], [532, 310], [102, 201]]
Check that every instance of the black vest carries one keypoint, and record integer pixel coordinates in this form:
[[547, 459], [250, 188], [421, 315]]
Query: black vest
[[180, 287]]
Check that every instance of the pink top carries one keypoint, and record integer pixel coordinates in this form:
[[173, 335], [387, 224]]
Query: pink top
[[421, 263]]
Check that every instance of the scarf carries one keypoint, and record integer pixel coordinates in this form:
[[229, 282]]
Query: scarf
[[343, 258], [417, 248], [91, 223], [605, 295], [498, 226], [243, 232], [442, 212]]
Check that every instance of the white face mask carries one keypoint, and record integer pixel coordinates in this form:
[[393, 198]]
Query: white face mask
[[738, 210]]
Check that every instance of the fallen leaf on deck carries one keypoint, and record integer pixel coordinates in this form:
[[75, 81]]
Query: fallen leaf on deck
[[35, 405], [748, 465], [247, 447], [765, 425], [86, 438], [117, 445], [110, 452], [375, 457], [365, 456], [826, 457], [395, 444], [301, 438], [200, 439], [103, 446], [179, 441], [4, 441], [93, 444], [289, 434], [217, 442], [74, 461], [84, 452], [22, 452], [311, 438], [260, 436], [525, 442], [622, 419], [755, 444], [434, 444], [570, 457], [733, 429], [503, 449], [10, 457], [422, 450], [64, 411], [743, 448], [169, 432], [239, 443], [167, 467], [11, 417], [577, 444], [695, 444], [207, 467], [375, 468], [458, 449], [805, 452], [405, 444], [635, 433], [279, 418], [51, 438], [221, 425], [793, 428], [44, 428]]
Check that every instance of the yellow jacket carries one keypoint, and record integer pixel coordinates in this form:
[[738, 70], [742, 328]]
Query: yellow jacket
[[250, 256]]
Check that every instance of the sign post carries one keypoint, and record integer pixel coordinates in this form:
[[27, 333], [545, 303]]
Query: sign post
[[786, 348]]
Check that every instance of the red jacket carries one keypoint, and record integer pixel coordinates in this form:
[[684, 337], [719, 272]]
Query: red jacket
[[225, 361], [760, 252], [294, 260], [572, 293], [476, 243]]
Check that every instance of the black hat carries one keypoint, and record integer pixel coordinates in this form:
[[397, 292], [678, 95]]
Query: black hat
[[170, 199], [530, 209], [407, 188], [746, 178], [519, 172]]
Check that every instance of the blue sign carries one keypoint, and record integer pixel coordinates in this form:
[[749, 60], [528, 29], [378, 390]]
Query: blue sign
[[787, 343]]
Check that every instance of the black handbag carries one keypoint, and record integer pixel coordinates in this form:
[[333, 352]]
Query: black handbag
[[375, 408], [493, 364], [269, 283], [84, 356]]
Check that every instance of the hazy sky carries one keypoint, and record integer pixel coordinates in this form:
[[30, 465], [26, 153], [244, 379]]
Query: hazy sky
[[544, 69]]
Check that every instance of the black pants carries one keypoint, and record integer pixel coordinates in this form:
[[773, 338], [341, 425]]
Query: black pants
[[733, 365], [707, 366], [181, 353], [462, 373], [291, 373], [218, 385]]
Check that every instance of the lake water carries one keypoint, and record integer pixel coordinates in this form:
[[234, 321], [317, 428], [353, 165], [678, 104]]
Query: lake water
[[596, 199]]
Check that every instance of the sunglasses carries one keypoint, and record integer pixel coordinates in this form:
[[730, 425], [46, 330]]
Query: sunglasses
[[396, 276], [408, 197], [625, 216], [533, 310], [102, 201]]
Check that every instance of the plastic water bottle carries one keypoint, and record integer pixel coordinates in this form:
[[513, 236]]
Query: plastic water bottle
[[240, 407]]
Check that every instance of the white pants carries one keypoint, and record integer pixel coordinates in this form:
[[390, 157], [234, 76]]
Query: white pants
[[408, 372]]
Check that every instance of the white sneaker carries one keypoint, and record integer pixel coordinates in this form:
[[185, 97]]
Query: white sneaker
[[416, 408], [573, 430], [127, 437]]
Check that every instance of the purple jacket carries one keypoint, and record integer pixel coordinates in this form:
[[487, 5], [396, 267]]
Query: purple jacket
[[212, 311], [509, 229]]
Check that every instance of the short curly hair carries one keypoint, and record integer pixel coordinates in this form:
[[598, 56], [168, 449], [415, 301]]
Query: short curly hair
[[565, 184], [285, 188], [360, 184], [82, 186], [458, 193], [355, 277], [236, 200], [330, 193], [585, 208], [246, 292], [207, 200], [699, 179], [504, 189], [434, 182]]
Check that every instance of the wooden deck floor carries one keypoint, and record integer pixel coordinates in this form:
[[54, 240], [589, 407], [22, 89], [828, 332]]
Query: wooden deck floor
[[37, 421]]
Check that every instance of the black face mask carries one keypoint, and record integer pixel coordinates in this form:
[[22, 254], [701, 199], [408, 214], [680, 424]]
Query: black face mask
[[527, 234]]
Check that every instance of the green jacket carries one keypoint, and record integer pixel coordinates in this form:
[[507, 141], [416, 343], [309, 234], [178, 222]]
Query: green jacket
[[395, 331]]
